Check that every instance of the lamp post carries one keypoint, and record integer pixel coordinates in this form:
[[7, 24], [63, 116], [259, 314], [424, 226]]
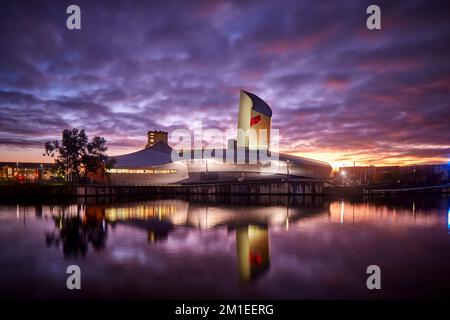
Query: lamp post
[[343, 174], [104, 170]]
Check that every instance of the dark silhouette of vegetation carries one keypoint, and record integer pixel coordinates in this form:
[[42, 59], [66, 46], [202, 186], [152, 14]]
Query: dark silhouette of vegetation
[[76, 233], [76, 156]]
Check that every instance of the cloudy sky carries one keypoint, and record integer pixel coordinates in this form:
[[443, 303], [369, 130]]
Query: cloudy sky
[[339, 92]]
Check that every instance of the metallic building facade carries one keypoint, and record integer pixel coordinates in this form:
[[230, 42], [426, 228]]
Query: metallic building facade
[[247, 159]]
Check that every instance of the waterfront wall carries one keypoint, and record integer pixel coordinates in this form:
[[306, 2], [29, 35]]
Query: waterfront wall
[[286, 187], [277, 187], [34, 190], [256, 187]]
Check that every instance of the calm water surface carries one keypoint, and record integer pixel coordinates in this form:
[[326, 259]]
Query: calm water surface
[[227, 248]]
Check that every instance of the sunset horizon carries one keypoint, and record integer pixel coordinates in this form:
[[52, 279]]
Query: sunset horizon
[[336, 159]]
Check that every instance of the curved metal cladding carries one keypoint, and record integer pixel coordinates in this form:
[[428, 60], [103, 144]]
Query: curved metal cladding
[[218, 165], [150, 165], [254, 113], [156, 166]]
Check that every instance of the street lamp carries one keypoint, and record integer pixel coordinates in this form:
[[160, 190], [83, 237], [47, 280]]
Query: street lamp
[[343, 175]]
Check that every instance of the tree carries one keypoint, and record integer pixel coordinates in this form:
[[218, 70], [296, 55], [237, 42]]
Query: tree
[[75, 154]]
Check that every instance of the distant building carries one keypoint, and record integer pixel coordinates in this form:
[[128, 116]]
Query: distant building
[[25, 171], [415, 174]]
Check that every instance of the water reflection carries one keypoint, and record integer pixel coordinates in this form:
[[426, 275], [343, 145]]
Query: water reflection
[[252, 241], [448, 220], [204, 214], [75, 228], [228, 247], [78, 225], [252, 244]]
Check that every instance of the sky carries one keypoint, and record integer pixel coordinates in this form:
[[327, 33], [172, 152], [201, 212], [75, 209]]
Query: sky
[[339, 92]]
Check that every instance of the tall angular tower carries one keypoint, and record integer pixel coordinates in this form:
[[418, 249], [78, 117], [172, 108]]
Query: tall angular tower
[[255, 114]]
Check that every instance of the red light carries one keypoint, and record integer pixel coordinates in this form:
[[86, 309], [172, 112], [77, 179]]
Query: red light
[[255, 258], [255, 120]]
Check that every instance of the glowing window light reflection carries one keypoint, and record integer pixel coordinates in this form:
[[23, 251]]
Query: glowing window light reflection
[[342, 212], [141, 212], [448, 219]]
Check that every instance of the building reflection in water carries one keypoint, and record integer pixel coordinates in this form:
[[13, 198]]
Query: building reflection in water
[[448, 220], [252, 240], [79, 226], [252, 247], [159, 218]]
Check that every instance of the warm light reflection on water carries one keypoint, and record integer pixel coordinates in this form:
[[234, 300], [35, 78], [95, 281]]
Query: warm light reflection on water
[[222, 247], [381, 214]]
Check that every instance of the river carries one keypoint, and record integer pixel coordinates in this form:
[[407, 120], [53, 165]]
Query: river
[[212, 247]]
